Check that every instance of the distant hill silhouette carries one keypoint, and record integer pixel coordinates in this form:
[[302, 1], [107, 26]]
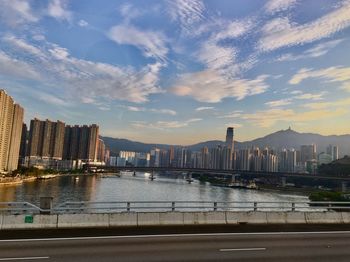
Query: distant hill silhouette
[[278, 140]]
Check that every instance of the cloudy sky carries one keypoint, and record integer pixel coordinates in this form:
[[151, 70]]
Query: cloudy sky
[[180, 71]]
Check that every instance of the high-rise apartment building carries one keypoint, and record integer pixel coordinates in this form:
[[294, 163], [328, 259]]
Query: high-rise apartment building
[[229, 138], [46, 139], [81, 143], [333, 151], [307, 152], [11, 120]]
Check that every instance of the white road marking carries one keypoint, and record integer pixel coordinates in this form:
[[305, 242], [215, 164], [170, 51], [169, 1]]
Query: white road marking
[[175, 235], [242, 249], [22, 258]]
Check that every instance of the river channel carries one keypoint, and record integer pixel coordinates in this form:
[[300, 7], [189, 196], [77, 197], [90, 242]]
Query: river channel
[[133, 188]]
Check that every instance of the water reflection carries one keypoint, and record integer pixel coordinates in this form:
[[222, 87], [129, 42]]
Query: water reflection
[[133, 188]]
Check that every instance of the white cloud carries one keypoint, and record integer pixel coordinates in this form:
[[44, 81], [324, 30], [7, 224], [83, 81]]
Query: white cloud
[[17, 12], [164, 111], [330, 74], [52, 99], [203, 108], [309, 96], [152, 44], [270, 117], [22, 45], [296, 92], [54, 66], [187, 13], [165, 124], [58, 9], [39, 37], [290, 34], [209, 86], [216, 57], [129, 12], [10, 66], [279, 103], [316, 51], [153, 110], [83, 23], [273, 6], [234, 114]]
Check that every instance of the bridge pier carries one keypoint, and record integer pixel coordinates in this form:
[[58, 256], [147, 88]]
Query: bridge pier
[[344, 186], [284, 181]]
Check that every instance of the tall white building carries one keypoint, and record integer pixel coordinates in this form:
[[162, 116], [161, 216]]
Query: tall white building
[[11, 120]]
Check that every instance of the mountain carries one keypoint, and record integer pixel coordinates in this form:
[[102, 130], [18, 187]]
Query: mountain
[[292, 139], [278, 140]]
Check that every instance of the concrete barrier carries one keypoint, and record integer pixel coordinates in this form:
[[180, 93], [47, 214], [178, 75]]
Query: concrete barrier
[[28, 221], [148, 219], [171, 218], [204, 218], [276, 217], [346, 217], [323, 218], [295, 218], [123, 219], [250, 217], [83, 220]]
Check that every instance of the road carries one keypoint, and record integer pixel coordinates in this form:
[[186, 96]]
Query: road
[[264, 246]]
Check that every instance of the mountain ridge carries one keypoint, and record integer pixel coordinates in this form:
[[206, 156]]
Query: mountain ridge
[[280, 139]]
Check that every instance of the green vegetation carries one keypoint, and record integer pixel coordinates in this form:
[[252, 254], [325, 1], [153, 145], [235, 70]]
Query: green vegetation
[[328, 196], [33, 171], [340, 167]]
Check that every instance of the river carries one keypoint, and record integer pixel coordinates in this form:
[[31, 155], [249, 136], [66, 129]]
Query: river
[[133, 188]]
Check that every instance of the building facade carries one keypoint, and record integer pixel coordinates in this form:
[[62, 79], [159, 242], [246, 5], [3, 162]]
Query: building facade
[[11, 121]]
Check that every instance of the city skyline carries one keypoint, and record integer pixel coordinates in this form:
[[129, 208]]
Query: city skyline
[[180, 70]]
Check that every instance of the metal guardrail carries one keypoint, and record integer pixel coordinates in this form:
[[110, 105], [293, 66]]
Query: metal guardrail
[[168, 206]]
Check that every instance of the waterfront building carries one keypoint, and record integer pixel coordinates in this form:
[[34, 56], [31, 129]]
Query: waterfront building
[[23, 145], [307, 152], [81, 143], [324, 158], [291, 160], [226, 158], [101, 151], [230, 138], [11, 121], [155, 157], [333, 151], [113, 161], [142, 159], [243, 159], [269, 163], [46, 139], [205, 158]]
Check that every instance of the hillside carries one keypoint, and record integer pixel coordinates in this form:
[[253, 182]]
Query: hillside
[[278, 140]]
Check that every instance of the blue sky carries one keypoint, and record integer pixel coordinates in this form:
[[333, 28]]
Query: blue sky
[[180, 71]]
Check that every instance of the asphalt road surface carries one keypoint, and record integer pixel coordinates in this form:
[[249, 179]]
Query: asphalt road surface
[[264, 246]]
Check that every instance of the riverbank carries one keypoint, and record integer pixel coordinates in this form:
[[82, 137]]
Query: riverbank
[[12, 181]]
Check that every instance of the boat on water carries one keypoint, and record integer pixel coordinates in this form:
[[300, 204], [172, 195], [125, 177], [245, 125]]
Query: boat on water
[[243, 185], [48, 176]]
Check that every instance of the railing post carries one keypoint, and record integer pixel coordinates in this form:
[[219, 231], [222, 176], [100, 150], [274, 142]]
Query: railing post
[[293, 206], [255, 206], [215, 206], [46, 205], [128, 206], [173, 206]]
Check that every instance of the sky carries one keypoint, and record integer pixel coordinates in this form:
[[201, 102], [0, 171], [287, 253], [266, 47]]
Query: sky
[[180, 71]]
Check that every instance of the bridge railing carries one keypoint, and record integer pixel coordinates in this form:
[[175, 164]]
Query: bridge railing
[[19, 208], [205, 206], [172, 206]]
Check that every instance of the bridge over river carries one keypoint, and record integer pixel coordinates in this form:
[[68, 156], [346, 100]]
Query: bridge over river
[[337, 182]]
